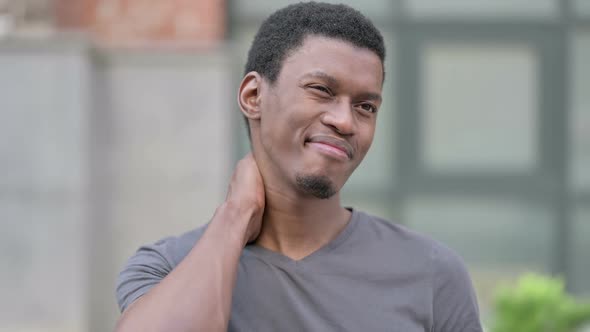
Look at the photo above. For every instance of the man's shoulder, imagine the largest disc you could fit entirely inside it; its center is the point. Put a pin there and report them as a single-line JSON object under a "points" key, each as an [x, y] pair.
{"points": [[175, 248], [400, 237]]}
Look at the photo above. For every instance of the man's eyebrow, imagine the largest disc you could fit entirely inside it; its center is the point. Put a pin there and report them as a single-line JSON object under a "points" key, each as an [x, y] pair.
{"points": [[331, 80], [371, 96]]}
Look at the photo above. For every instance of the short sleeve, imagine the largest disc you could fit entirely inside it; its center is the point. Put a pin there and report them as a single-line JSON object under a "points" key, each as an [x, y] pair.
{"points": [[455, 305], [152, 263], [145, 269]]}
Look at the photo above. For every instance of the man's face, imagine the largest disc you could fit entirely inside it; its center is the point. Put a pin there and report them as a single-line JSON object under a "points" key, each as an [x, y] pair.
{"points": [[318, 118]]}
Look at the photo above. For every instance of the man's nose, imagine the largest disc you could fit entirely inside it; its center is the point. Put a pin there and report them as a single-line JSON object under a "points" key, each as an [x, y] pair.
{"points": [[340, 118]]}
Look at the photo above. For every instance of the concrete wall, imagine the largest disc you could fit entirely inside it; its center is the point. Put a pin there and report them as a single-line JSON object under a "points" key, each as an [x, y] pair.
{"points": [[101, 151]]}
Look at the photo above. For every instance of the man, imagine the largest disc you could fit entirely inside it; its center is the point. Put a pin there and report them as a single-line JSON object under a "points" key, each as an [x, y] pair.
{"points": [[281, 253]]}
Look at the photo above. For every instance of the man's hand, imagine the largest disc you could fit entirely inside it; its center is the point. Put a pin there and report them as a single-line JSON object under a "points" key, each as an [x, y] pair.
{"points": [[246, 195], [203, 282]]}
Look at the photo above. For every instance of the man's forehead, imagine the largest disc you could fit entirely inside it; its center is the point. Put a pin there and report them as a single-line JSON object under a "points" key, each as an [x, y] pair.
{"points": [[313, 47], [331, 60]]}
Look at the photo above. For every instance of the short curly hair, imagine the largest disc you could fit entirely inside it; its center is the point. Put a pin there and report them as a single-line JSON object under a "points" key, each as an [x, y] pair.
{"points": [[284, 31]]}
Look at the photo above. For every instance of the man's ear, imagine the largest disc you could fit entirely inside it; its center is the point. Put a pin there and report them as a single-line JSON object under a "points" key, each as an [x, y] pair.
{"points": [[249, 95]]}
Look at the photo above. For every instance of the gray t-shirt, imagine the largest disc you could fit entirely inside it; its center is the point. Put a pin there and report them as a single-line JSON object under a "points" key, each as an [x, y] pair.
{"points": [[375, 276]]}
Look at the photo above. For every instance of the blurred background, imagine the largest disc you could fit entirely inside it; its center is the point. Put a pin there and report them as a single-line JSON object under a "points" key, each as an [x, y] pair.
{"points": [[119, 126]]}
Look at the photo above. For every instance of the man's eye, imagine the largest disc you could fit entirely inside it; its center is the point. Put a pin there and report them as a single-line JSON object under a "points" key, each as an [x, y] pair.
{"points": [[322, 89], [368, 107]]}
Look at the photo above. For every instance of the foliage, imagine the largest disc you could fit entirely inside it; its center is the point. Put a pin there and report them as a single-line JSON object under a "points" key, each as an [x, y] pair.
{"points": [[538, 304]]}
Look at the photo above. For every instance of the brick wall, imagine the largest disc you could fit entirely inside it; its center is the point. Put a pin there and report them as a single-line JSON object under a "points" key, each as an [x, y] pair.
{"points": [[146, 22]]}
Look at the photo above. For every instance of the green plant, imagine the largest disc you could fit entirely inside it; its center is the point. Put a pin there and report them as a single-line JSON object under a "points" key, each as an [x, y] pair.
{"points": [[538, 304]]}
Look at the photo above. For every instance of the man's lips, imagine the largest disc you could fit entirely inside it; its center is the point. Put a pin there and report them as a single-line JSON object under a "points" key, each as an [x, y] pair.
{"points": [[333, 142]]}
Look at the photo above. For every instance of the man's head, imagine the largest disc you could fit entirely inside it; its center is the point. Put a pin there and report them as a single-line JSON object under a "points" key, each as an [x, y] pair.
{"points": [[284, 31], [310, 93]]}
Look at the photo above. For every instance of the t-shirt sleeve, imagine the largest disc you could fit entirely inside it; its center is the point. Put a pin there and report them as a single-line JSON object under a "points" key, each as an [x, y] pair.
{"points": [[455, 304], [152, 263], [145, 269]]}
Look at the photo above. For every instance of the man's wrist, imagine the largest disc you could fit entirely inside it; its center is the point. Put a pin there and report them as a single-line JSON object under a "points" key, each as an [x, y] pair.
{"points": [[236, 218]]}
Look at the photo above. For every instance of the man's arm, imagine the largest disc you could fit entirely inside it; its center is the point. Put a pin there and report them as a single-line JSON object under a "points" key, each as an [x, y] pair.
{"points": [[196, 295]]}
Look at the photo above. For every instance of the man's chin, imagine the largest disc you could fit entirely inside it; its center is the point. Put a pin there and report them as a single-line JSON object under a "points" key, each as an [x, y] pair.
{"points": [[318, 186]]}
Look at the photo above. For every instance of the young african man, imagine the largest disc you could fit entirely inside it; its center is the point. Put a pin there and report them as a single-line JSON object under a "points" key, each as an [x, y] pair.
{"points": [[281, 253]]}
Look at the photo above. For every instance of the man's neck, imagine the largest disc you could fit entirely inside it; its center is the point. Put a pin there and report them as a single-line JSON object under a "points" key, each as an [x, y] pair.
{"points": [[297, 226]]}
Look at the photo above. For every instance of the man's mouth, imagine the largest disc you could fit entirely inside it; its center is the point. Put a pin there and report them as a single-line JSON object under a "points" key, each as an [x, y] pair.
{"points": [[333, 146]]}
